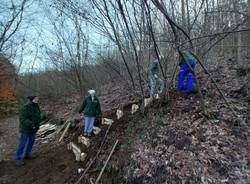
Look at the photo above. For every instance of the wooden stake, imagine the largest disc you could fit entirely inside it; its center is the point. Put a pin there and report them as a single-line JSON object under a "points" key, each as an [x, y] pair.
{"points": [[63, 134], [61, 127], [100, 175], [96, 156]]}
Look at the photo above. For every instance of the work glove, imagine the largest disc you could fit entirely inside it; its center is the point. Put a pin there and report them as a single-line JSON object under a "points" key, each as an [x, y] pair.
{"points": [[35, 129]]}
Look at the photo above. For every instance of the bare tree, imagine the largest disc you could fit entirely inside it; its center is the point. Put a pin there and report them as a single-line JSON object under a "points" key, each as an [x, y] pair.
{"points": [[9, 25]]}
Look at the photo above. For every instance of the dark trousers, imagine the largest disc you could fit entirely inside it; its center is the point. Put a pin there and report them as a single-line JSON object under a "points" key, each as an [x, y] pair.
{"points": [[26, 139]]}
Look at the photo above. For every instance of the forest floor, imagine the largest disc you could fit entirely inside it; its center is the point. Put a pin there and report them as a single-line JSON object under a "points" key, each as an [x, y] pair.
{"points": [[171, 143]]}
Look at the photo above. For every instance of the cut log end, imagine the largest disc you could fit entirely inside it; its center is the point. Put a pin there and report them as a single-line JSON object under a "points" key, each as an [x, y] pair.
{"points": [[96, 130], [135, 108], [106, 121], [84, 140], [119, 114]]}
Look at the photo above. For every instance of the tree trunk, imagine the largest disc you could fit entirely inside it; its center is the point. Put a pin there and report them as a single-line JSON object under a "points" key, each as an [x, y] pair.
{"points": [[188, 18], [247, 42], [183, 13], [237, 43]]}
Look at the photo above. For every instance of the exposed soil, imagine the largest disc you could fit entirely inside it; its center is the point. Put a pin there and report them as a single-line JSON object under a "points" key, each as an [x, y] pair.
{"points": [[171, 143], [8, 137], [54, 163]]}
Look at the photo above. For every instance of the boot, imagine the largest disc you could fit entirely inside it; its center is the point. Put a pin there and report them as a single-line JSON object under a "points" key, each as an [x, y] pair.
{"points": [[19, 163]]}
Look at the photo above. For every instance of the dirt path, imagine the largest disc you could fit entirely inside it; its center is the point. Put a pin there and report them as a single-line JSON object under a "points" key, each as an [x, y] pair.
{"points": [[8, 137], [54, 164]]}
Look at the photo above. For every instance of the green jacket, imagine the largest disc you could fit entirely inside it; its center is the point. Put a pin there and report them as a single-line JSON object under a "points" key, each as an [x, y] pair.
{"points": [[185, 56], [29, 118], [90, 108], [154, 67]]}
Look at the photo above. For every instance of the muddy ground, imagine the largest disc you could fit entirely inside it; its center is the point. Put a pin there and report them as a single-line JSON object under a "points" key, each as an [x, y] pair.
{"points": [[54, 163]]}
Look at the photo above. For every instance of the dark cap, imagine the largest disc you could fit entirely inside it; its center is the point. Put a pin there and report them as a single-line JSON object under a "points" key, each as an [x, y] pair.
{"points": [[31, 98]]}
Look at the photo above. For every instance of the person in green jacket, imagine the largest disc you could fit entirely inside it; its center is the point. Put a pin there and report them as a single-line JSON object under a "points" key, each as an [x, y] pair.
{"points": [[91, 108], [29, 119], [153, 76]]}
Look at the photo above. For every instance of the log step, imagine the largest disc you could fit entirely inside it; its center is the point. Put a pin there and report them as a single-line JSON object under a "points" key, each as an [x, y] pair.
{"points": [[96, 130], [106, 121], [84, 140], [134, 108], [119, 113], [80, 156]]}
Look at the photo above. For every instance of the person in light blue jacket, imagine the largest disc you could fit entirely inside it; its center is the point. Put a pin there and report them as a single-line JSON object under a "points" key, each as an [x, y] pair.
{"points": [[153, 76]]}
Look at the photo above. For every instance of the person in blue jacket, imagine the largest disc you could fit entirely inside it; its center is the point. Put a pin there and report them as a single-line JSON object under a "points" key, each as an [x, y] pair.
{"points": [[187, 64], [153, 75]]}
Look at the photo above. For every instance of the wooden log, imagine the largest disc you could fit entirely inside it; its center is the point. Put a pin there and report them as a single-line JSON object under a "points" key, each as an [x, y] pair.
{"points": [[47, 137], [134, 108], [96, 130], [96, 156], [80, 156], [103, 168], [47, 127], [119, 113], [44, 129], [84, 140], [64, 132], [106, 121], [69, 146], [61, 127], [147, 101]]}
